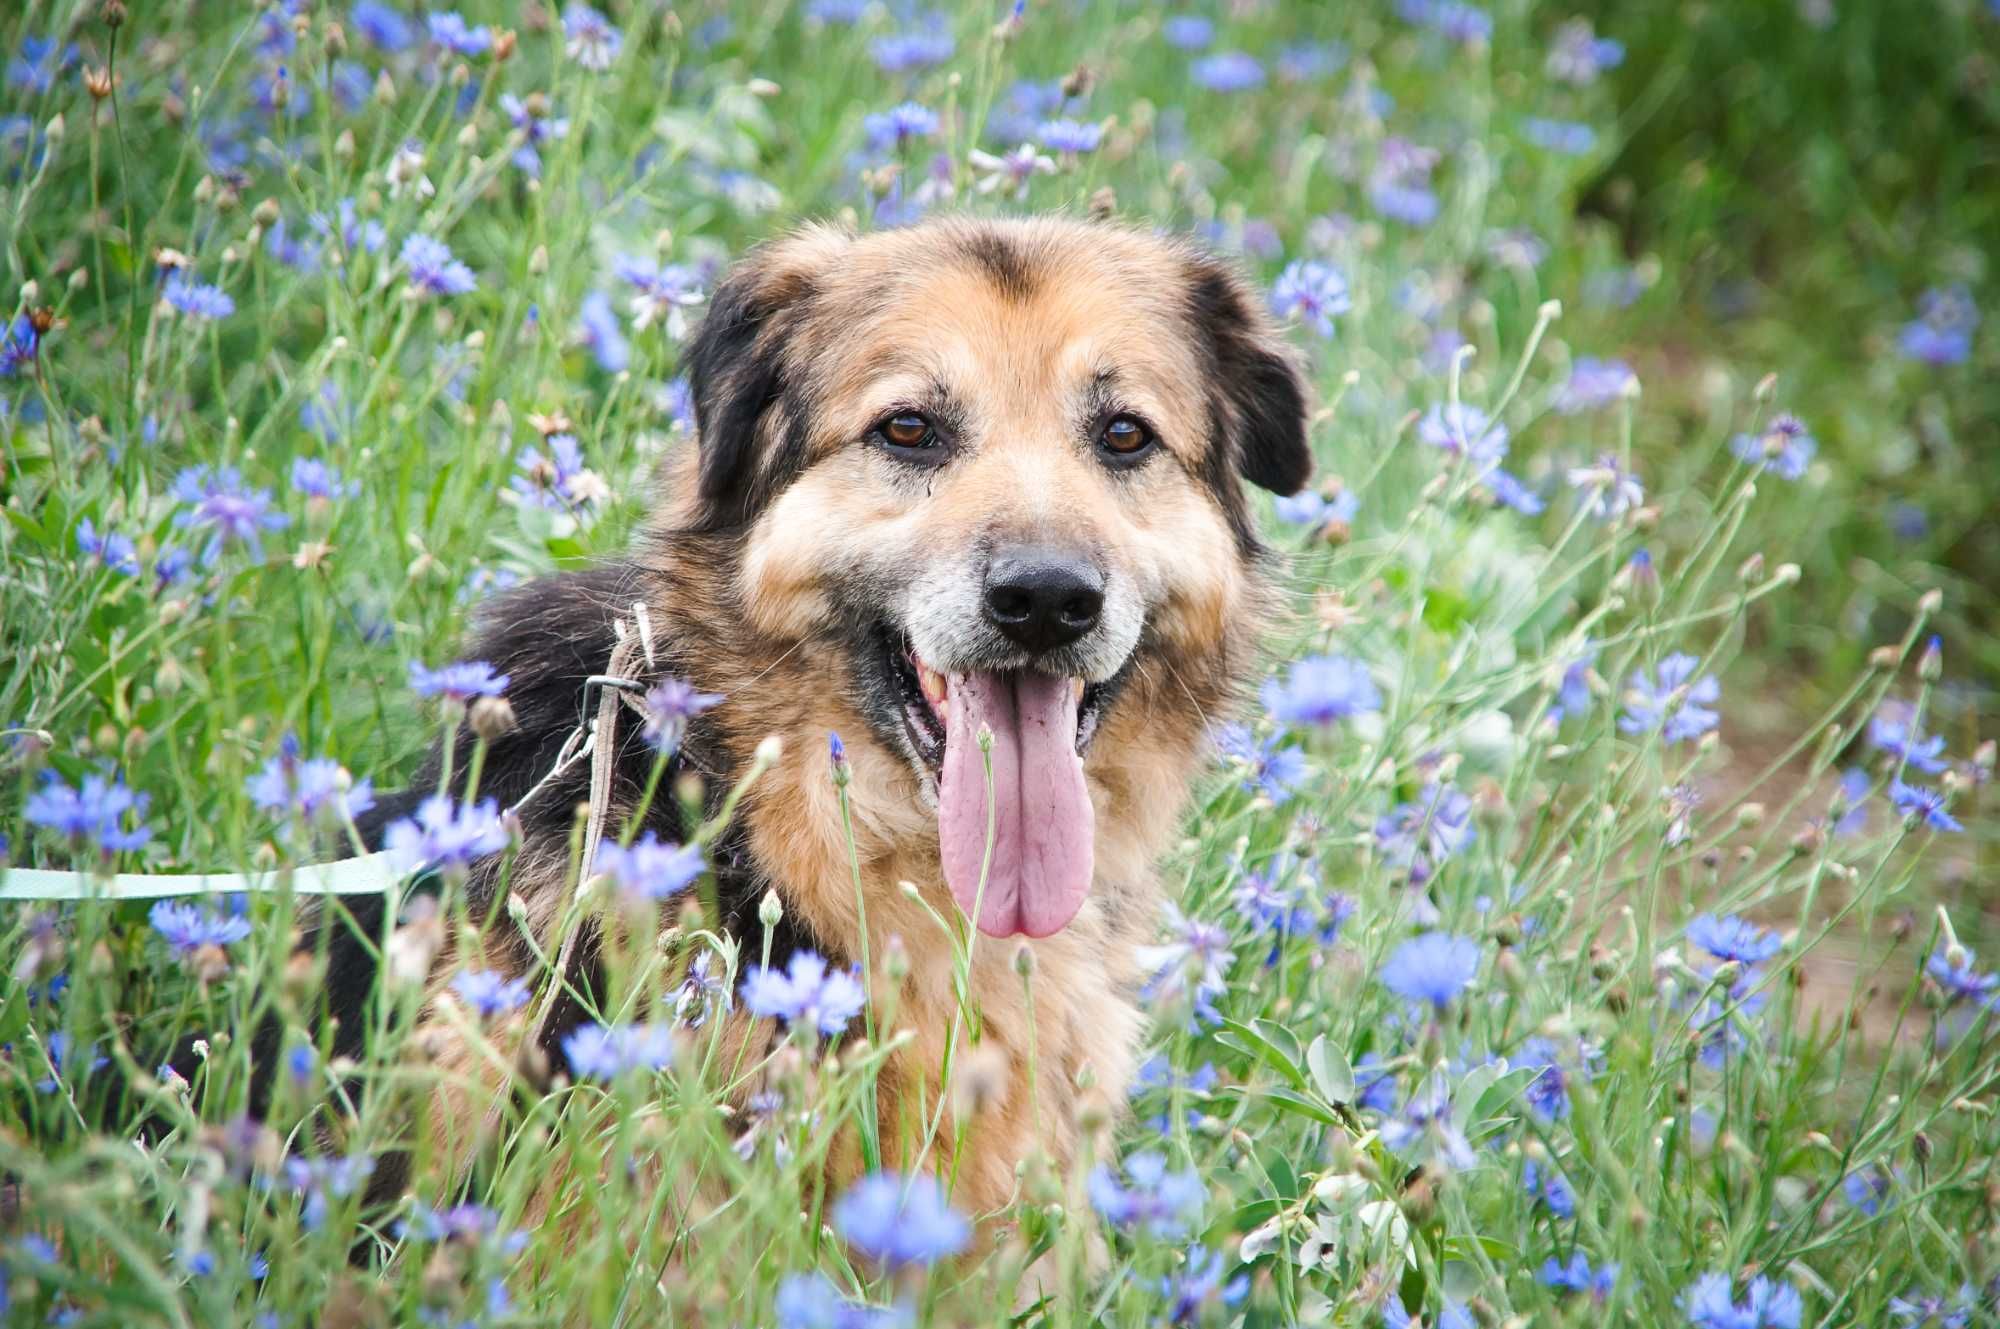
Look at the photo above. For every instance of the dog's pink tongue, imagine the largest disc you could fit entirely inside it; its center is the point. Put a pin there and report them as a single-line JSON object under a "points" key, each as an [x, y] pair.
{"points": [[1042, 826]]}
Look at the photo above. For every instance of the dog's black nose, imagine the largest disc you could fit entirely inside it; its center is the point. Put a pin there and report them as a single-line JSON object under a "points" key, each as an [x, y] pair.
{"points": [[1043, 598]]}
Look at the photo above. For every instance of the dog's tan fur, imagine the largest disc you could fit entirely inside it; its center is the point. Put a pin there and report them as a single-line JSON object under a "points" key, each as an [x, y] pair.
{"points": [[1009, 318]]}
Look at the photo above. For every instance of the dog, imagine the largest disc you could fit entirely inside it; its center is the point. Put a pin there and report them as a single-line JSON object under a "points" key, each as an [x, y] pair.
{"points": [[967, 494]]}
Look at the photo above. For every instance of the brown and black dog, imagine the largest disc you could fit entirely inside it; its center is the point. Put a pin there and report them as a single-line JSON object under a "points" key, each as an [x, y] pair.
{"points": [[967, 477]]}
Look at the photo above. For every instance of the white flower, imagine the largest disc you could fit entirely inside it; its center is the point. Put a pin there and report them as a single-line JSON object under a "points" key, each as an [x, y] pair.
{"points": [[1012, 170]]}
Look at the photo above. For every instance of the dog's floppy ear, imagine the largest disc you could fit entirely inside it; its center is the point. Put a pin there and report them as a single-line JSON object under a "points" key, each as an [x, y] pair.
{"points": [[739, 369], [1257, 388]]}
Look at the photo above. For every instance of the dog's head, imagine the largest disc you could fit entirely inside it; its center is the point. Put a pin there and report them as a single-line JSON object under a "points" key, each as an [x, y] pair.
{"points": [[996, 466]]}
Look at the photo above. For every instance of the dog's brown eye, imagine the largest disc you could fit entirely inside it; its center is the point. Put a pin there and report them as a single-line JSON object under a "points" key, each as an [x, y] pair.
{"points": [[1125, 436], [906, 431]]}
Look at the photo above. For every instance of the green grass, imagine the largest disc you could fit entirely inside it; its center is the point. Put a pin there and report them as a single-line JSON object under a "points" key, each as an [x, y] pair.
{"points": [[1714, 1118]]}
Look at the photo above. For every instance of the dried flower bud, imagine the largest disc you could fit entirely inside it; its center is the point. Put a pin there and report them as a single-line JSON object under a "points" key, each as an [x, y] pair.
{"points": [[1104, 204], [1930, 665], [771, 909], [491, 718], [504, 43], [1751, 570], [112, 13], [97, 82], [1930, 602]]}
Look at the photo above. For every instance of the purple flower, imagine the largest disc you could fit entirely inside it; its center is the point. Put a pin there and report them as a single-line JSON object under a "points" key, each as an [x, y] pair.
{"points": [[1954, 971], [1732, 937], [650, 868], [316, 792], [356, 236], [1194, 959], [1268, 769], [1197, 1285], [1942, 331], [810, 1301], [1070, 136], [458, 682], [1321, 689], [432, 269], [490, 992], [896, 127], [41, 59], [1578, 55], [1868, 1188], [449, 30], [660, 294], [187, 929], [1227, 71], [323, 1180], [900, 1221], [705, 988], [1463, 430], [95, 812], [1189, 32], [590, 40], [1914, 1311], [218, 502], [1785, 448], [1608, 490], [807, 995], [113, 550], [1011, 171], [1571, 138], [669, 705], [382, 26], [1548, 1093], [445, 835], [906, 52], [1435, 968], [1577, 1277], [285, 245], [557, 480], [1766, 1304], [313, 478], [19, 343], [599, 1052], [1399, 185], [1893, 730], [603, 334], [1680, 709], [200, 299], [1313, 291], [1149, 1195], [536, 126], [1928, 805], [1545, 1186], [1418, 837], [1425, 1128], [1593, 384], [1510, 492], [1310, 507]]}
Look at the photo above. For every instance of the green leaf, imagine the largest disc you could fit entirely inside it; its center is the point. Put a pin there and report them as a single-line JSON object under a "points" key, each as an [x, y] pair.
{"points": [[1331, 1074], [1255, 1041]]}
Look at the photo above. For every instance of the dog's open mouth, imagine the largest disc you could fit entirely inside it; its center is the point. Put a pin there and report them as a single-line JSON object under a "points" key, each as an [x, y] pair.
{"points": [[1019, 861]]}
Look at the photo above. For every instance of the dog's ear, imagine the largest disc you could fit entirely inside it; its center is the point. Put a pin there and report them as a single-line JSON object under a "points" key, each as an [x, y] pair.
{"points": [[1256, 384], [738, 368]]}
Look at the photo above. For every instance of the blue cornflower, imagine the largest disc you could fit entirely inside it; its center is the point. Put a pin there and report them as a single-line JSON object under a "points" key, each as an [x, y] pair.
{"points": [[906, 52], [113, 550], [843, 12], [1766, 1304], [490, 992], [1545, 1186], [1310, 507], [1198, 1285], [1893, 729], [313, 478], [1374, 1088], [1548, 1093], [1417, 837], [317, 791], [705, 989], [1678, 707], [899, 1221], [1854, 787], [603, 334], [1190, 32], [323, 1180], [19, 344], [216, 500], [1955, 973], [1732, 937], [187, 928], [811, 1301], [1510, 492], [1593, 384], [1463, 430], [1425, 1127], [301, 1063], [285, 245], [599, 1052], [1227, 71], [95, 812], [57, 1047], [1868, 1188], [1460, 22], [356, 235], [1157, 1075], [536, 125], [1314, 291], [1435, 967], [1578, 1277], [1266, 768], [458, 682], [806, 995], [556, 480], [34, 70], [1399, 186], [450, 31], [669, 705], [1194, 959], [201, 299], [590, 39], [1321, 689], [1025, 104], [1915, 1311], [899, 125], [1164, 1202], [432, 268], [461, 1222], [1928, 805], [650, 868], [1608, 490], [170, 565], [445, 835], [382, 26], [1070, 136], [1569, 137], [1578, 55], [1335, 909], [1942, 332], [1785, 448], [660, 294]]}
